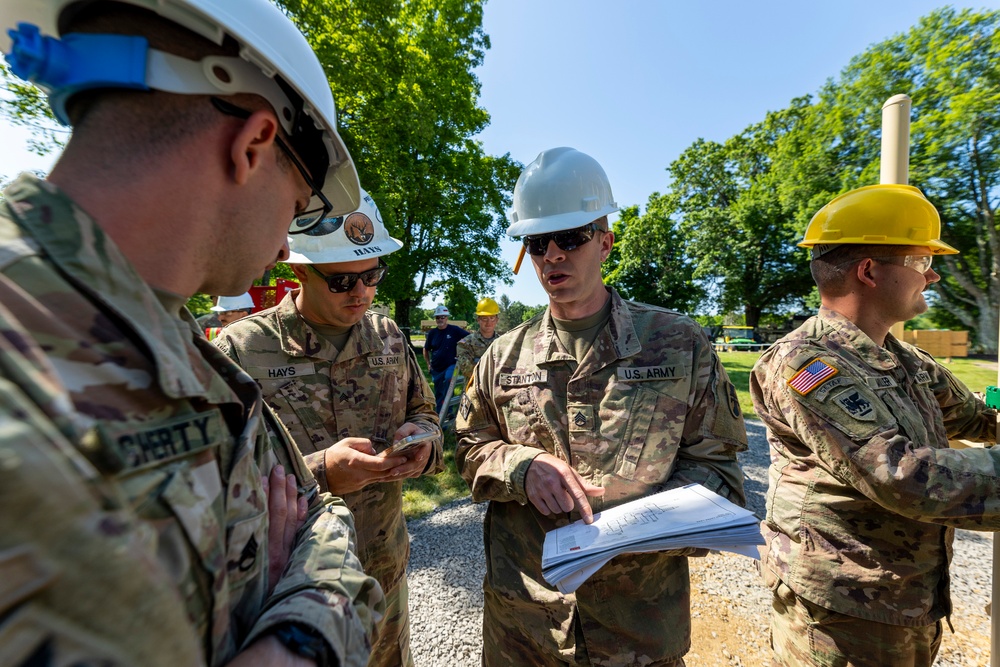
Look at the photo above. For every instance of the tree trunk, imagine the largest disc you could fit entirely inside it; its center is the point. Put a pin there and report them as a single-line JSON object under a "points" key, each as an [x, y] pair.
{"points": [[752, 314], [403, 307]]}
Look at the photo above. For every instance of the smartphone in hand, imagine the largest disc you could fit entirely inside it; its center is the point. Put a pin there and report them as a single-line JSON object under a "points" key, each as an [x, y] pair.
{"points": [[410, 441]]}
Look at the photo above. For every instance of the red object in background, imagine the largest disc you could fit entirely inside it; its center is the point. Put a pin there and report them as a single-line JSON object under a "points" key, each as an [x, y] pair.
{"points": [[265, 296]]}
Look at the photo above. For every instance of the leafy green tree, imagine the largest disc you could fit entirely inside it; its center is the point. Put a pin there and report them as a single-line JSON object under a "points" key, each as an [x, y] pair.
{"points": [[461, 302], [949, 64], [403, 78], [24, 105], [649, 261], [513, 313], [740, 231]]}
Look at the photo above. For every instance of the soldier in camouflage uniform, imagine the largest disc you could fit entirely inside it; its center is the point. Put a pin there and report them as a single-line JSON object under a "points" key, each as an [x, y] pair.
{"points": [[471, 348], [177, 537], [346, 383], [594, 402], [864, 492]]}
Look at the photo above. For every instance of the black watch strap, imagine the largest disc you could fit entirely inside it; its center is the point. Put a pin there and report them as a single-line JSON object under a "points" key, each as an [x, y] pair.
{"points": [[304, 641]]}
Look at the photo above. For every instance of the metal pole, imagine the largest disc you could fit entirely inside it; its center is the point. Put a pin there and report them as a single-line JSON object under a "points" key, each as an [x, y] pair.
{"points": [[447, 399], [896, 140], [995, 592]]}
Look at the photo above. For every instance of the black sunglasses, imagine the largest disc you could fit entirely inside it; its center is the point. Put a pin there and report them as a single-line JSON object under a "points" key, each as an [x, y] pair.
{"points": [[568, 240], [306, 220], [345, 282]]}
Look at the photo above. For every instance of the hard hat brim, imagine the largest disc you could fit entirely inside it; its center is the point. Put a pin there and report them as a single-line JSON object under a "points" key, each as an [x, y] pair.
{"points": [[557, 223], [341, 254]]}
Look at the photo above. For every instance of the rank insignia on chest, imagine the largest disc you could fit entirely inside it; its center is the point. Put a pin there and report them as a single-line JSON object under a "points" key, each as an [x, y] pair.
{"points": [[581, 417], [856, 405], [813, 375]]}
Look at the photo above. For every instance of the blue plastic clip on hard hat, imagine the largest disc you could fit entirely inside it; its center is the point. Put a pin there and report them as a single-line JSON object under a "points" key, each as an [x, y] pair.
{"points": [[77, 62]]}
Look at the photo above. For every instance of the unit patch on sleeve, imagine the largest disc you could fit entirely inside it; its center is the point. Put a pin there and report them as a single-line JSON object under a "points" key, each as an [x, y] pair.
{"points": [[812, 376], [856, 405]]}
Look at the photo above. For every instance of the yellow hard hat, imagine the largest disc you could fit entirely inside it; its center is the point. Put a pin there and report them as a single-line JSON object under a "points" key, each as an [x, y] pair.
{"points": [[886, 214], [487, 307]]}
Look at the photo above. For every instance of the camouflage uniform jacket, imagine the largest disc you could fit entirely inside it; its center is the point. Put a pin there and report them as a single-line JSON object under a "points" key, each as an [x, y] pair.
{"points": [[367, 390], [160, 414], [470, 351], [864, 490], [648, 408], [57, 515]]}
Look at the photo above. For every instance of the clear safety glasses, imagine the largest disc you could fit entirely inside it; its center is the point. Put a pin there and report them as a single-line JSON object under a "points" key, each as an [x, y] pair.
{"points": [[345, 282], [304, 220], [570, 239], [919, 263]]}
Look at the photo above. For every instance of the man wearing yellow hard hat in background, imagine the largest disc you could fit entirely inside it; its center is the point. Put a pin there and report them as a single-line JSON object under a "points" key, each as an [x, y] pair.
{"points": [[864, 492], [472, 347]]}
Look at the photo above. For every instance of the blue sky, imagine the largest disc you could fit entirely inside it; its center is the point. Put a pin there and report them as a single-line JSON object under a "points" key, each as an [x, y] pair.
{"points": [[633, 83]]}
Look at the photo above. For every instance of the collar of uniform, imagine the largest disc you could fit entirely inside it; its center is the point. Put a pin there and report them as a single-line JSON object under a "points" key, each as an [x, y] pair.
{"points": [[91, 260], [298, 339], [620, 329], [846, 333]]}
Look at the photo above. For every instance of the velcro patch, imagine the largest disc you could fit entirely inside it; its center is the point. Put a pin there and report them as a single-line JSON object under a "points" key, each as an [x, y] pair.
{"points": [[812, 376], [523, 379], [823, 392], [647, 373], [881, 382], [922, 377], [856, 405], [581, 417], [384, 360], [170, 439], [279, 372]]}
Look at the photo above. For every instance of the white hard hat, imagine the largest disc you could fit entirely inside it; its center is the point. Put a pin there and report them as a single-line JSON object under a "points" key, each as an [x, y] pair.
{"points": [[275, 62], [562, 189], [227, 303], [441, 310], [345, 238]]}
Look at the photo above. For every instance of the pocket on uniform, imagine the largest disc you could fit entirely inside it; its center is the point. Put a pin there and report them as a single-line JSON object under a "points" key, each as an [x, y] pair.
{"points": [[649, 446], [293, 404], [245, 540]]}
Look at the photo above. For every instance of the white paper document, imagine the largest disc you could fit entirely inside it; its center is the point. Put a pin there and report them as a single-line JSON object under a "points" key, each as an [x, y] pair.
{"points": [[689, 516]]}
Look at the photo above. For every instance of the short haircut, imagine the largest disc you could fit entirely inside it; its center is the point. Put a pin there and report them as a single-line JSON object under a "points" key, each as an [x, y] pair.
{"points": [[830, 271]]}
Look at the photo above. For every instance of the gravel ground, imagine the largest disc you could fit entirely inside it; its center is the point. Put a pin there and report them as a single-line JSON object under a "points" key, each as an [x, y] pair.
{"points": [[730, 605]]}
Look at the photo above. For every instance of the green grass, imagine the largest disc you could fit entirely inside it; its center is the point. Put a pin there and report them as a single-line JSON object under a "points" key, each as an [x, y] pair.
{"points": [[738, 365], [423, 494]]}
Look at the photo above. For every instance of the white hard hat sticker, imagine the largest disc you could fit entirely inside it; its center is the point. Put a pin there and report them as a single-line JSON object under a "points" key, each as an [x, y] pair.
{"points": [[359, 229]]}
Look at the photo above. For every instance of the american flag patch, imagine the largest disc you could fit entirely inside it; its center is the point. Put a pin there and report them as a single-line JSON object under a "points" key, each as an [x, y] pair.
{"points": [[812, 376]]}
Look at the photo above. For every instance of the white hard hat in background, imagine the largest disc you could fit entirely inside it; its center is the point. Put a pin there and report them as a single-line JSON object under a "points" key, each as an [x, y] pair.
{"points": [[441, 310], [345, 238], [275, 62], [227, 303], [561, 189]]}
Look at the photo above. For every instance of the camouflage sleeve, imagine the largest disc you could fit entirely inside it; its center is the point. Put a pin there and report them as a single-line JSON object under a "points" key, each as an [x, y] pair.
{"points": [[965, 415], [713, 430], [79, 579], [854, 435], [493, 468], [465, 359], [324, 585], [420, 410]]}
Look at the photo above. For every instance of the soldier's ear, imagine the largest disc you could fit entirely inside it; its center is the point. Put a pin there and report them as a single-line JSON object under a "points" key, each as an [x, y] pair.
{"points": [[865, 272]]}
